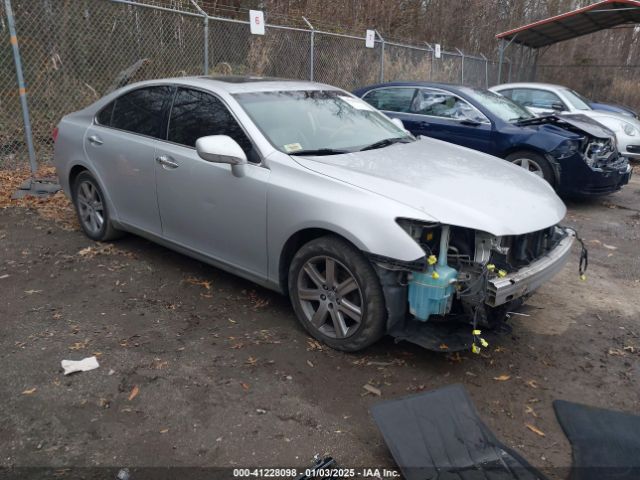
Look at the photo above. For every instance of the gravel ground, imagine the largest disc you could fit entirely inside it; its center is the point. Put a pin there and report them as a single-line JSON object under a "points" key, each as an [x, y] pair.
{"points": [[199, 368]]}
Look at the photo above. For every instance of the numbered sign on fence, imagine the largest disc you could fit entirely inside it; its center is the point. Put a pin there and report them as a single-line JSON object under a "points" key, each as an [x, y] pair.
{"points": [[370, 40], [438, 50], [256, 18]]}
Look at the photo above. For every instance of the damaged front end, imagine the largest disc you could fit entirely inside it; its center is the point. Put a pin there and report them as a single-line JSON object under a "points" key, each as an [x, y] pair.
{"points": [[466, 277]]}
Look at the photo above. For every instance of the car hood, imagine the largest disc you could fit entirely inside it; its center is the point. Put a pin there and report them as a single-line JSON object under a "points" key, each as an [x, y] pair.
{"points": [[609, 119], [451, 184], [583, 123]]}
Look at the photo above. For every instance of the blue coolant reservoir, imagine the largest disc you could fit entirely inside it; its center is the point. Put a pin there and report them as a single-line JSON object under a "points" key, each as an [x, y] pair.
{"points": [[431, 296]]}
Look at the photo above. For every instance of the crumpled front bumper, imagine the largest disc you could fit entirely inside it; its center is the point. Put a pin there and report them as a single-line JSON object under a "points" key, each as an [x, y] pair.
{"points": [[526, 280]]}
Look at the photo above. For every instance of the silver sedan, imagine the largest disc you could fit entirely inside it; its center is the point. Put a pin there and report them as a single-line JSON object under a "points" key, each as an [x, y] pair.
{"points": [[307, 190]]}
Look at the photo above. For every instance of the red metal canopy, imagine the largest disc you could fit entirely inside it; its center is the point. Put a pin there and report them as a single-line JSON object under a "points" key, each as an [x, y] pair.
{"points": [[599, 16]]}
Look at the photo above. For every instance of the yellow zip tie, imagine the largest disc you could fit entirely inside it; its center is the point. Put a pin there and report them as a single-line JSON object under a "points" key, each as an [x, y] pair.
{"points": [[432, 260]]}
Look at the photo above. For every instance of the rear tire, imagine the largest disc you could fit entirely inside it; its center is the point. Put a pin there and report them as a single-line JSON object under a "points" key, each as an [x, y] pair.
{"points": [[336, 294], [534, 163], [92, 210]]}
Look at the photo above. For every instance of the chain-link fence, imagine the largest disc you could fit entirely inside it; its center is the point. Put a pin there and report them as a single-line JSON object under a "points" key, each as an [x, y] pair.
{"points": [[74, 50]]}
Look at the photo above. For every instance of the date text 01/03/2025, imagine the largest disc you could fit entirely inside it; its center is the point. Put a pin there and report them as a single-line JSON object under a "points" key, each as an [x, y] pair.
{"points": [[315, 473]]}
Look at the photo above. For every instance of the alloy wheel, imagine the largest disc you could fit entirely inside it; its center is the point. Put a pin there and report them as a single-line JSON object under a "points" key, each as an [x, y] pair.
{"points": [[330, 297], [530, 166], [90, 207]]}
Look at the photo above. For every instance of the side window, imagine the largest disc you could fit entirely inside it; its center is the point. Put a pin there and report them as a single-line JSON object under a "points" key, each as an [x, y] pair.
{"points": [[507, 93], [444, 105], [534, 98], [544, 99], [104, 116], [391, 99], [197, 114], [142, 111]]}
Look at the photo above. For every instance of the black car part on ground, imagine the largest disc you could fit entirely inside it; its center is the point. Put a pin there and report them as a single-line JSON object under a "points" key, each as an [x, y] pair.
{"points": [[322, 469], [439, 434], [605, 443]]}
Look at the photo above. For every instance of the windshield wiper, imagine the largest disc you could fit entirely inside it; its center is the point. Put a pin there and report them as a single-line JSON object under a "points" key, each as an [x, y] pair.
{"points": [[319, 152], [386, 142]]}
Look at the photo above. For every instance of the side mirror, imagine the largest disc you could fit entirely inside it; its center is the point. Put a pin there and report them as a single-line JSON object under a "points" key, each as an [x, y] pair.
{"points": [[398, 123], [557, 106], [220, 149]]}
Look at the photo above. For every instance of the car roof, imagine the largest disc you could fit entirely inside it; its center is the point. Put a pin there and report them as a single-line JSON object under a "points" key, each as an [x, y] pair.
{"points": [[241, 84], [452, 87], [546, 86]]}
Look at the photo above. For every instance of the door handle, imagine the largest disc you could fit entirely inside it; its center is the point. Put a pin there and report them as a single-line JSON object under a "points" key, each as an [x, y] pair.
{"points": [[95, 140], [167, 162]]}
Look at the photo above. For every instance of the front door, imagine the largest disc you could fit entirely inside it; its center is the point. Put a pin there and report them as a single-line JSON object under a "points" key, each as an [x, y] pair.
{"points": [[447, 117], [203, 206]]}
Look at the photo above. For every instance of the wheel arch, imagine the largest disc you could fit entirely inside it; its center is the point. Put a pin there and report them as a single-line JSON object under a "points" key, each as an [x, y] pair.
{"points": [[294, 243]]}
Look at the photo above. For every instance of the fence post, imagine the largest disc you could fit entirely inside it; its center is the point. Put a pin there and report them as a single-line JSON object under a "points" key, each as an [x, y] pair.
{"points": [[486, 70], [510, 65], [311, 53], [206, 36], [21, 89], [462, 55], [432, 59], [381, 56]]}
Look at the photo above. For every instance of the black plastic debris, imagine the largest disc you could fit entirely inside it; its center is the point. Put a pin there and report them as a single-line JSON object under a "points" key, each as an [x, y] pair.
{"points": [[320, 467], [605, 443], [439, 435]]}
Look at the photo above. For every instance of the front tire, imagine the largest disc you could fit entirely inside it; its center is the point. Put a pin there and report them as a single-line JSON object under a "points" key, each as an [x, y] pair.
{"points": [[92, 210], [336, 294], [534, 163]]}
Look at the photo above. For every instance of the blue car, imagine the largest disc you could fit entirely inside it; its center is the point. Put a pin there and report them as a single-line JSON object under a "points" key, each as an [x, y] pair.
{"points": [[576, 155]]}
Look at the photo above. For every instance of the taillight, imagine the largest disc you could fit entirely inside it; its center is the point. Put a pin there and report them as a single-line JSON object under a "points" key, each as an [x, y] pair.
{"points": [[54, 134]]}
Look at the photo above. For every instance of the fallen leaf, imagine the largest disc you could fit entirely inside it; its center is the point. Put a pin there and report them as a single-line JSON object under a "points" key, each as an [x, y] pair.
{"points": [[530, 410], [31, 292], [372, 389], [502, 378], [245, 386], [251, 362], [310, 363], [532, 384], [535, 430], [444, 346], [29, 391], [609, 247], [164, 430], [196, 281], [134, 392]]}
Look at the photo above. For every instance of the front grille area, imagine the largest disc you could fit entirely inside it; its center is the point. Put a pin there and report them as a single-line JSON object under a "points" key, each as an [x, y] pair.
{"points": [[520, 250]]}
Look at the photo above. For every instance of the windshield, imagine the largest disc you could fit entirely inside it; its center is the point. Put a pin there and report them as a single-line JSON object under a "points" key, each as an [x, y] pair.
{"points": [[505, 109], [576, 100], [327, 121]]}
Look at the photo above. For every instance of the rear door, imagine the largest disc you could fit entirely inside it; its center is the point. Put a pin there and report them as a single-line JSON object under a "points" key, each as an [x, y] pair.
{"points": [[121, 143], [446, 116], [203, 206]]}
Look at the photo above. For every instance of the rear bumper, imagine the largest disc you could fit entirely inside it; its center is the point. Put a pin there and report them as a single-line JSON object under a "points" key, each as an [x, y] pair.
{"points": [[529, 278]]}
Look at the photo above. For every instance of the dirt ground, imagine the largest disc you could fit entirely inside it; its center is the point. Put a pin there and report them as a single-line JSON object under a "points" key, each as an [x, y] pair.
{"points": [[199, 368]]}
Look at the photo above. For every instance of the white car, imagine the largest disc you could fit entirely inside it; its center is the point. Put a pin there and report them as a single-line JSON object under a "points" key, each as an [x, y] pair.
{"points": [[545, 98]]}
